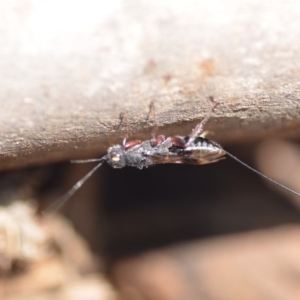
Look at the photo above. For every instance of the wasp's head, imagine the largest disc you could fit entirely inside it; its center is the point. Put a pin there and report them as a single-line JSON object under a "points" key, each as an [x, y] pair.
{"points": [[116, 157]]}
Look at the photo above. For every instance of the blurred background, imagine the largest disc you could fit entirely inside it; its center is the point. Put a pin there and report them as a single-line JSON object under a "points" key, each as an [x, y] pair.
{"points": [[168, 232]]}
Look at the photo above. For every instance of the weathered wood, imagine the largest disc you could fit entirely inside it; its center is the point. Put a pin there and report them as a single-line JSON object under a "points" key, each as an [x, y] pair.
{"points": [[68, 70]]}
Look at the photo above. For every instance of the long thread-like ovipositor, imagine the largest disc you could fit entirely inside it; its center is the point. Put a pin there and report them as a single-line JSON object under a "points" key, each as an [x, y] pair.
{"points": [[262, 175]]}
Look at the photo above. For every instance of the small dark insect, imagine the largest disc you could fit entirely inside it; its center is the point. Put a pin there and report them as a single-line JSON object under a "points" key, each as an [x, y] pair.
{"points": [[192, 149]]}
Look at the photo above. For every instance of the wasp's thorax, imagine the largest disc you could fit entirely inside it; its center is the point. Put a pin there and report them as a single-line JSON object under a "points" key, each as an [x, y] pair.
{"points": [[138, 156]]}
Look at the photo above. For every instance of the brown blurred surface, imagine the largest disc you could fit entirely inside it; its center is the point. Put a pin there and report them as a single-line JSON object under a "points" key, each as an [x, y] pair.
{"points": [[281, 161], [68, 70], [262, 264]]}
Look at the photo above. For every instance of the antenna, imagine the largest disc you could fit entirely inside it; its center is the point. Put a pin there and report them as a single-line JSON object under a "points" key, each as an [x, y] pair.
{"points": [[61, 201], [262, 175]]}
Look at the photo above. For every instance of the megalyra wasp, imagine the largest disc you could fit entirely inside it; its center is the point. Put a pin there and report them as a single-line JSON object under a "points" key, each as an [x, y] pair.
{"points": [[192, 149]]}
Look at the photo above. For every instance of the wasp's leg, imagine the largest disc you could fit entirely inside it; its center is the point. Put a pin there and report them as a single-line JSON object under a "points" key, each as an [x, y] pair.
{"points": [[127, 144], [200, 127], [156, 140], [130, 144], [151, 112], [123, 119], [178, 141]]}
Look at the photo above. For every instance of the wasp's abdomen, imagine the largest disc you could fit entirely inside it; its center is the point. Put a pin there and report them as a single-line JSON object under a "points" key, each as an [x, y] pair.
{"points": [[200, 151]]}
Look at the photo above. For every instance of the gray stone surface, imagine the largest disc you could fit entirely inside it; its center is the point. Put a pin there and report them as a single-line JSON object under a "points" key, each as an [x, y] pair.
{"points": [[69, 68]]}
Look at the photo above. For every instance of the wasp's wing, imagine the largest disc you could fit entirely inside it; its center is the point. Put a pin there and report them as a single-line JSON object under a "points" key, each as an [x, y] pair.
{"points": [[196, 157], [202, 151]]}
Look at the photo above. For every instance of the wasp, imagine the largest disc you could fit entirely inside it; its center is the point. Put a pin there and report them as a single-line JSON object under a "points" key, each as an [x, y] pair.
{"points": [[192, 149]]}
